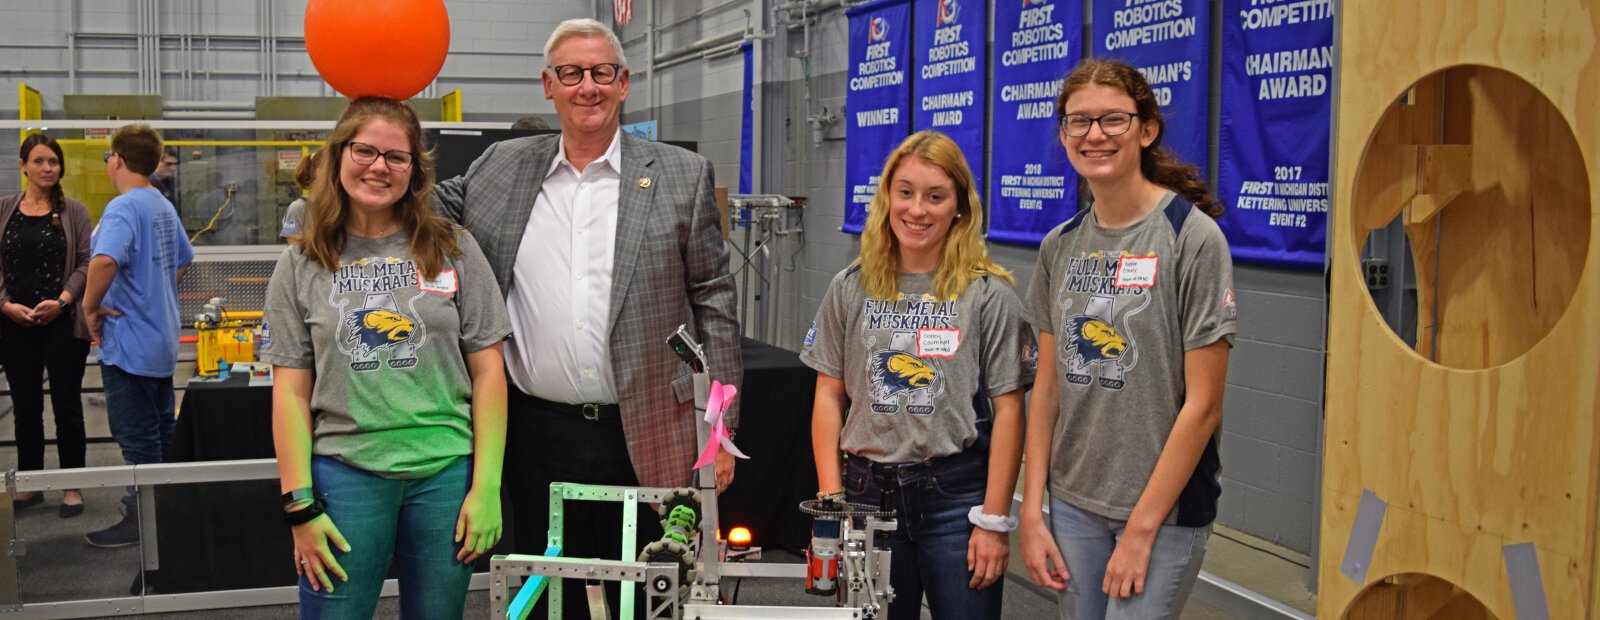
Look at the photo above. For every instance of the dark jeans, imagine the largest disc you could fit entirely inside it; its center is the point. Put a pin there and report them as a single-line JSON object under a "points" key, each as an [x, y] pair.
{"points": [[552, 446], [27, 353], [139, 410], [931, 500]]}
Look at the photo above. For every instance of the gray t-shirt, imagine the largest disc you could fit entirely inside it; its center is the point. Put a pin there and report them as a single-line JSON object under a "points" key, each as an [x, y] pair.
{"points": [[914, 366], [294, 219], [1124, 305], [388, 348]]}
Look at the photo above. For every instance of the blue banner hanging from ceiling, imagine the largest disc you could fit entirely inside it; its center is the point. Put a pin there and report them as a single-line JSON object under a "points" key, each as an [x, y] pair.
{"points": [[1032, 187], [877, 97], [950, 76], [1272, 170], [1169, 41]]}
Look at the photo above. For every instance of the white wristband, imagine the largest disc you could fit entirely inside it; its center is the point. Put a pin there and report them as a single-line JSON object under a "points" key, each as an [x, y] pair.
{"points": [[993, 523]]}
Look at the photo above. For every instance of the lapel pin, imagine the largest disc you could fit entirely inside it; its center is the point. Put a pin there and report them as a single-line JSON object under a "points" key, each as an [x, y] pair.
{"points": [[644, 182]]}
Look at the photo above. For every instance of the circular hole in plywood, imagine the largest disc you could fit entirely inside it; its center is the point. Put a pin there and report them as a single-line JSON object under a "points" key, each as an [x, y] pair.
{"points": [[1472, 216], [1415, 595]]}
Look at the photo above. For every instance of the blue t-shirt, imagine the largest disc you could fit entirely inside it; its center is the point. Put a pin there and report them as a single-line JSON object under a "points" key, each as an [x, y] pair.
{"points": [[140, 230]]}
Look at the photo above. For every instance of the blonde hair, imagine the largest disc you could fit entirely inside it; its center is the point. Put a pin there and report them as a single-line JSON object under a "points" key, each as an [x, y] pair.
{"points": [[965, 257], [432, 237]]}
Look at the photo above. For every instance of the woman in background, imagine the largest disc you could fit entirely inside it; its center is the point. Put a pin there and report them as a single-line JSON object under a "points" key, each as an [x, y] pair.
{"points": [[1133, 301], [922, 340], [44, 255], [389, 393]]}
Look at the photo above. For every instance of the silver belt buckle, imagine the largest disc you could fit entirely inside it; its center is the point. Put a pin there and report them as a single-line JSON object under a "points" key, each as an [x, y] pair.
{"points": [[591, 412]]}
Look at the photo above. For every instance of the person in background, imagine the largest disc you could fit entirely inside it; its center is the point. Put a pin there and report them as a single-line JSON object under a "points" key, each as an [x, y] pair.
{"points": [[1134, 304], [921, 340], [530, 122], [165, 178], [130, 305], [389, 392], [44, 257], [610, 246], [305, 173]]}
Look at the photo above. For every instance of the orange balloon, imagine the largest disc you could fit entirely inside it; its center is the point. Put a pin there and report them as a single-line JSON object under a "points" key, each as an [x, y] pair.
{"points": [[388, 48]]}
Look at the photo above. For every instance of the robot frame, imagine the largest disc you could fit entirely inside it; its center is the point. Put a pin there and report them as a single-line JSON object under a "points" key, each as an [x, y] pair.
{"points": [[682, 572]]}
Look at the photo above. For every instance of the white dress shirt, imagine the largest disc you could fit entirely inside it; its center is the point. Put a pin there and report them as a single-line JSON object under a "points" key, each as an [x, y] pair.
{"points": [[560, 298]]}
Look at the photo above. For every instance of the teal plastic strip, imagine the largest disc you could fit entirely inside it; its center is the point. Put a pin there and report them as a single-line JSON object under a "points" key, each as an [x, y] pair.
{"points": [[530, 592]]}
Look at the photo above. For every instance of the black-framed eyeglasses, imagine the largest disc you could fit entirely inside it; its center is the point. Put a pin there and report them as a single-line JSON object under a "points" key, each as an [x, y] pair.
{"points": [[1111, 123], [107, 157], [364, 154], [602, 74]]}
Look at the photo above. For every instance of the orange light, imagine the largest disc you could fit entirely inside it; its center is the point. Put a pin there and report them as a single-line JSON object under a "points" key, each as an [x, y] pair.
{"points": [[739, 538]]}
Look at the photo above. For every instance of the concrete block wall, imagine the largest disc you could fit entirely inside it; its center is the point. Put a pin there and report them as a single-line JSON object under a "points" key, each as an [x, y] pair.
{"points": [[496, 51]]}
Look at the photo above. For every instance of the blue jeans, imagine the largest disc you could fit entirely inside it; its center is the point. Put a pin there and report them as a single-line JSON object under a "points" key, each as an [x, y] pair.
{"points": [[929, 548], [383, 520], [139, 411], [1087, 541]]}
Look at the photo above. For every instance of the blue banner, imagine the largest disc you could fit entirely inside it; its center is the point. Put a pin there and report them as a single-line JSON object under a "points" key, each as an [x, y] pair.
{"points": [[1169, 41], [1272, 170], [877, 97], [747, 120], [950, 76], [1032, 186]]}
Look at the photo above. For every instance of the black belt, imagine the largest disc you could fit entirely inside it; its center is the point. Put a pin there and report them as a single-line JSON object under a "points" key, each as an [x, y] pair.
{"points": [[593, 412]]}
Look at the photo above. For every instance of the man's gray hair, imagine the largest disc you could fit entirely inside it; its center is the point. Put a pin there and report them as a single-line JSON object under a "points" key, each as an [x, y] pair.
{"points": [[584, 27]]}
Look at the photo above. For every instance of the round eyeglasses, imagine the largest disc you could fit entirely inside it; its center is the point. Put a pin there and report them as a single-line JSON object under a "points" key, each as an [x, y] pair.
{"points": [[602, 74], [364, 154], [1111, 123]]}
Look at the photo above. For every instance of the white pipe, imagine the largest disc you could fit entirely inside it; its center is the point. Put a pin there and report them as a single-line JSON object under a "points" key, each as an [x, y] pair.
{"points": [[208, 105], [230, 115], [72, 46], [701, 45]]}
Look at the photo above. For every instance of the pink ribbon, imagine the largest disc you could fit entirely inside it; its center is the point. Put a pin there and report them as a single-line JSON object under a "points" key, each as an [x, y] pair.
{"points": [[717, 404]]}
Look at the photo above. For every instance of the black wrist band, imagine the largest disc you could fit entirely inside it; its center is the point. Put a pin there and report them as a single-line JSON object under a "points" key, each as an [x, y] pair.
{"points": [[306, 514]]}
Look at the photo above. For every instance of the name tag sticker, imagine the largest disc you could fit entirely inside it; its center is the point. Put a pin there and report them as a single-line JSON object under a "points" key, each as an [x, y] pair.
{"points": [[444, 283], [938, 343], [1136, 271]]}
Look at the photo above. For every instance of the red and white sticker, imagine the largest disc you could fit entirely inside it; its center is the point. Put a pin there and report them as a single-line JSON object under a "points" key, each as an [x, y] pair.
{"points": [[445, 283], [1137, 271], [934, 342]]}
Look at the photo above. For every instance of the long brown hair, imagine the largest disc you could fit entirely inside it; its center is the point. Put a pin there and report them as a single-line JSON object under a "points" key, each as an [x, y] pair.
{"points": [[965, 257], [1158, 163], [432, 237], [58, 197]]}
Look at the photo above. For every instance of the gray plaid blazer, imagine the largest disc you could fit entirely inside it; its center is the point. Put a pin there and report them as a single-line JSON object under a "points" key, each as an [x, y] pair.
{"points": [[670, 269]]}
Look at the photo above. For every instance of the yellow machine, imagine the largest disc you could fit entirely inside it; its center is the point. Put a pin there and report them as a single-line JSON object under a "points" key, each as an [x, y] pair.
{"points": [[228, 336]]}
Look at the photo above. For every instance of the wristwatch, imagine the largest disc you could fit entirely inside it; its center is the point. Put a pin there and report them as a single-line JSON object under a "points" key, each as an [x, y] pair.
{"points": [[64, 304]]}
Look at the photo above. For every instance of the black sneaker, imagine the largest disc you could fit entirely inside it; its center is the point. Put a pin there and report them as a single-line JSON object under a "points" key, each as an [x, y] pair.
{"points": [[124, 533]]}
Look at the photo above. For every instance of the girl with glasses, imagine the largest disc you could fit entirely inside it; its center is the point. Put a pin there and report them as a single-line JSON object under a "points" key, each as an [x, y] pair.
{"points": [[389, 395], [1133, 301], [44, 258]]}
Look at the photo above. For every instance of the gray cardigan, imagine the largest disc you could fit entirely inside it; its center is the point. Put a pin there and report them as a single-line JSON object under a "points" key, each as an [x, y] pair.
{"points": [[75, 223]]}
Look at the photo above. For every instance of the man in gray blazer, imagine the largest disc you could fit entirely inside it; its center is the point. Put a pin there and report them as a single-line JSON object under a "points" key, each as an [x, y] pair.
{"points": [[603, 244]]}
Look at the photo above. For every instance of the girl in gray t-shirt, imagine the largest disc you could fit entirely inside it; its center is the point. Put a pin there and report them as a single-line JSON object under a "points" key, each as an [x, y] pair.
{"points": [[923, 341], [389, 394], [1133, 301]]}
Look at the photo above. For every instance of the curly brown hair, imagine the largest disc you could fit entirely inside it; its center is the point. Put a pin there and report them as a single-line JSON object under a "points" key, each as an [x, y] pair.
{"points": [[1158, 163]]}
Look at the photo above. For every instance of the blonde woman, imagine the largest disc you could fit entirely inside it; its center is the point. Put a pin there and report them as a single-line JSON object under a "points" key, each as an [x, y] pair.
{"points": [[922, 358]]}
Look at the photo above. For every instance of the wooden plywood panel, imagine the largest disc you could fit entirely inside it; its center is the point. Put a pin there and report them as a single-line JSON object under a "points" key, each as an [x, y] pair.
{"points": [[1471, 460]]}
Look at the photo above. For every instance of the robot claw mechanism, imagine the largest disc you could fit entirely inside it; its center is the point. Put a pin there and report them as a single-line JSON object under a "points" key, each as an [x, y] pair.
{"points": [[682, 572]]}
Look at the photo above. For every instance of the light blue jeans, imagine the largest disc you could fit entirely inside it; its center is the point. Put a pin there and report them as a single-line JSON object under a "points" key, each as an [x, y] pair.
{"points": [[412, 521], [1087, 540]]}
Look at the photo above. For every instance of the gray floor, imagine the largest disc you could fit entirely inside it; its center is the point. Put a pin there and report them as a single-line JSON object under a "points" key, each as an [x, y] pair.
{"points": [[59, 565]]}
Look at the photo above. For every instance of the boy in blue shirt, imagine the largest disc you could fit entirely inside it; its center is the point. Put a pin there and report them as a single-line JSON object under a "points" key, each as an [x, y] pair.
{"points": [[138, 253]]}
